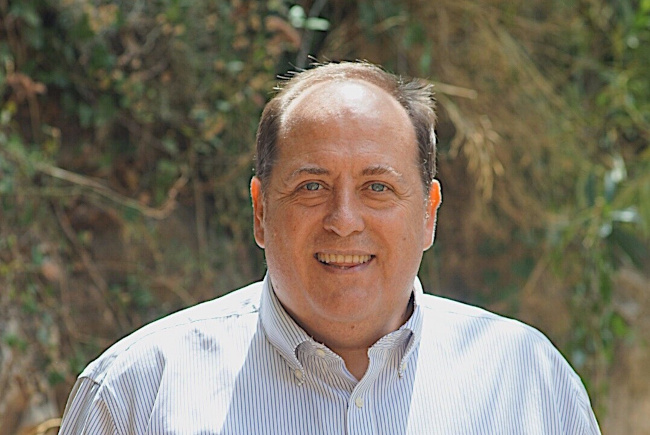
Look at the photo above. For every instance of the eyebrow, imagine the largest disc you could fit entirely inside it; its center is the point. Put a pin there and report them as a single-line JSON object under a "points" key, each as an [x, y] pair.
{"points": [[382, 170], [369, 171], [308, 170]]}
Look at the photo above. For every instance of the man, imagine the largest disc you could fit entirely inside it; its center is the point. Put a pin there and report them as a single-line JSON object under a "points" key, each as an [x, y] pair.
{"points": [[339, 337]]}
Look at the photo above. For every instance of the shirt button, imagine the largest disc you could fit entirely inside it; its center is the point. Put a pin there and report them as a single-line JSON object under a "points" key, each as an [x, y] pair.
{"points": [[320, 352], [359, 402], [298, 374]]}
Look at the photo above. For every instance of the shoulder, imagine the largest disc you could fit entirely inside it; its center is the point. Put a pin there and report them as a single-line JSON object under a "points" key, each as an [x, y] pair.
{"points": [[202, 345], [475, 337], [504, 363], [474, 320], [234, 312], [492, 339]]}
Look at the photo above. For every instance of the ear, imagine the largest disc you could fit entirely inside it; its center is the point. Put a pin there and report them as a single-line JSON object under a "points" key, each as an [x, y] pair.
{"points": [[434, 201], [257, 198]]}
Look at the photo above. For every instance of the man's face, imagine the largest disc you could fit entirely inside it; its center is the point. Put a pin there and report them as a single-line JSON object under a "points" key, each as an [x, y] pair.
{"points": [[344, 218]]}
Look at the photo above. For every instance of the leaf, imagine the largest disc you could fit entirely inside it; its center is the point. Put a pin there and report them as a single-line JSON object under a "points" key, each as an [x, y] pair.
{"points": [[297, 16], [314, 23], [629, 215], [25, 11], [631, 245], [619, 326]]}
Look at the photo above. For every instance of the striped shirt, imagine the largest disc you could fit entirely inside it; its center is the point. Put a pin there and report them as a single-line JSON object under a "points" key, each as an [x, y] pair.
{"points": [[240, 365]]}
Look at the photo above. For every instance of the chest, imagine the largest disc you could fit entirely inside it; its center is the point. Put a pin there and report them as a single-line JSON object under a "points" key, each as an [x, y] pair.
{"points": [[260, 393]]}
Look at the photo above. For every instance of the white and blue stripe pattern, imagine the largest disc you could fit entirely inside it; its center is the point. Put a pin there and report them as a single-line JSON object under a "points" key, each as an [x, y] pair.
{"points": [[241, 365]]}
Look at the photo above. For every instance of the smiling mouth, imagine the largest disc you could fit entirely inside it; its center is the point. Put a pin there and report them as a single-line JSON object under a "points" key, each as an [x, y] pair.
{"points": [[341, 260]]}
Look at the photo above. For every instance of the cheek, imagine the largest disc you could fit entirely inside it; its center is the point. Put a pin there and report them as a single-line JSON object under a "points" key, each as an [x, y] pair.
{"points": [[407, 233], [293, 219], [287, 228], [401, 224]]}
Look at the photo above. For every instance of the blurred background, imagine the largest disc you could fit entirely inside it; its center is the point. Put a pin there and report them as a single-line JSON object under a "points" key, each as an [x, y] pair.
{"points": [[127, 145]]}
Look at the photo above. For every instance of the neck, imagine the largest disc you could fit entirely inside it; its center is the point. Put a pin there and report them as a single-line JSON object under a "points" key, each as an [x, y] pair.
{"points": [[356, 360], [352, 341]]}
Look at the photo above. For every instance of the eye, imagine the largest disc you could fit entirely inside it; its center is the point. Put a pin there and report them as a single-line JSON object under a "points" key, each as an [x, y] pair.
{"points": [[378, 187], [312, 186]]}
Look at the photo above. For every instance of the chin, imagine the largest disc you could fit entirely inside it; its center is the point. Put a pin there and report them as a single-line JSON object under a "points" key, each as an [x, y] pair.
{"points": [[346, 306]]}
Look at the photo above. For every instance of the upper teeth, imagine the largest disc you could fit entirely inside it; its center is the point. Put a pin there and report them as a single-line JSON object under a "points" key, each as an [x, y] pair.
{"points": [[346, 259]]}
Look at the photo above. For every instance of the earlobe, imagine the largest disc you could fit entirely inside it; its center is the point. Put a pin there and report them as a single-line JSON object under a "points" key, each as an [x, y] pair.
{"points": [[433, 203], [257, 198]]}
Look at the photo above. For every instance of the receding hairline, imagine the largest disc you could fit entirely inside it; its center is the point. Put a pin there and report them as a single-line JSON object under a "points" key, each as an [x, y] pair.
{"points": [[316, 90], [365, 72], [414, 95]]}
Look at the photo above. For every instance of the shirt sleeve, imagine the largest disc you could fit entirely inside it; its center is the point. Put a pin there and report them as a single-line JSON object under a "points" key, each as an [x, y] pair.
{"points": [[86, 412], [590, 423]]}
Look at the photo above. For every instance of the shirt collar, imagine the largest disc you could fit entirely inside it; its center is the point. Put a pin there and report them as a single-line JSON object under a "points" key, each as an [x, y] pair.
{"points": [[414, 324], [281, 330], [285, 335]]}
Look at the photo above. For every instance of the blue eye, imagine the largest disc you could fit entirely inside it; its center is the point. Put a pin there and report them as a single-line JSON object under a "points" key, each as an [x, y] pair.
{"points": [[378, 187], [312, 186]]}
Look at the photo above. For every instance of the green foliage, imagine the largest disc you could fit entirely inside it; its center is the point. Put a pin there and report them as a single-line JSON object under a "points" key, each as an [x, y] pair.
{"points": [[601, 235], [299, 19], [123, 129], [604, 224]]}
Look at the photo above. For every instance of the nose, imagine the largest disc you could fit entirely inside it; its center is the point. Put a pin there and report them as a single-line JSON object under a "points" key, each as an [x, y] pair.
{"points": [[345, 214]]}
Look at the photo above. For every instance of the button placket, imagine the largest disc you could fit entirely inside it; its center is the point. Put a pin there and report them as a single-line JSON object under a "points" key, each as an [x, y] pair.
{"points": [[402, 369], [360, 413]]}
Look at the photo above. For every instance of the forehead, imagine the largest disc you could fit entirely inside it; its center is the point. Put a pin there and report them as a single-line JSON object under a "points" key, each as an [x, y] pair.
{"points": [[346, 124], [335, 100]]}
